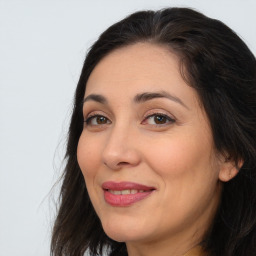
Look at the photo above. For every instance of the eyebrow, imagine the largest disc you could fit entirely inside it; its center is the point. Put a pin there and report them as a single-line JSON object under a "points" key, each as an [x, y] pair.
{"points": [[95, 97], [142, 97], [139, 98]]}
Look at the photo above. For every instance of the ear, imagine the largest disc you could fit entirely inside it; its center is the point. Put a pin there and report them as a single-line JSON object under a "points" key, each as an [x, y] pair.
{"points": [[229, 169]]}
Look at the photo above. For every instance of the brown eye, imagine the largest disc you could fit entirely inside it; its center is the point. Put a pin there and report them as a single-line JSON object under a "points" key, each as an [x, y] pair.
{"points": [[159, 119], [101, 120], [97, 120]]}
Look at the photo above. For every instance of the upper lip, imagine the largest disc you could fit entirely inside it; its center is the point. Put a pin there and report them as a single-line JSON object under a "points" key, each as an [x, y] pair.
{"points": [[124, 185]]}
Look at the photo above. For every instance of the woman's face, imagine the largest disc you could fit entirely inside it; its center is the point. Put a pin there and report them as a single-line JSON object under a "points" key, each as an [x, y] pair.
{"points": [[146, 150]]}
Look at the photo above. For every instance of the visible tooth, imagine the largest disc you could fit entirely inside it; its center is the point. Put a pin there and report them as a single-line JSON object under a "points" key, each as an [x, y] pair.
{"points": [[126, 192], [115, 192], [134, 191]]}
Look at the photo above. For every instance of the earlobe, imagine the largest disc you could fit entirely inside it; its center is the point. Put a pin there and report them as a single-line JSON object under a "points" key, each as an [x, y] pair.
{"points": [[229, 169]]}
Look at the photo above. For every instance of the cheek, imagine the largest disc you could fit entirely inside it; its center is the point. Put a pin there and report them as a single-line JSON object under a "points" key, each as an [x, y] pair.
{"points": [[176, 155], [89, 160], [187, 174], [184, 164], [88, 156]]}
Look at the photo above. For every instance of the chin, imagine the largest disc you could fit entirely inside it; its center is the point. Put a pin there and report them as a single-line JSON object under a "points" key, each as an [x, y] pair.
{"points": [[123, 231]]}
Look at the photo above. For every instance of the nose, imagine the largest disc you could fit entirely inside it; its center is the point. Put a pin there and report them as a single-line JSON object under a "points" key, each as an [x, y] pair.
{"points": [[121, 149]]}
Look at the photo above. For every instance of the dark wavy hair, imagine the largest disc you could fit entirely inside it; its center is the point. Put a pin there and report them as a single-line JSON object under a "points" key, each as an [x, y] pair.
{"points": [[221, 68]]}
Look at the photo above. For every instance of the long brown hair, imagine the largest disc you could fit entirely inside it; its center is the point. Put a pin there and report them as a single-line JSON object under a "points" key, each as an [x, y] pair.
{"points": [[217, 63]]}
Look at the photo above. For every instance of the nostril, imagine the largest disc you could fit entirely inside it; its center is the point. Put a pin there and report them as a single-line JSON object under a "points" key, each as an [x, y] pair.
{"points": [[118, 164], [123, 163]]}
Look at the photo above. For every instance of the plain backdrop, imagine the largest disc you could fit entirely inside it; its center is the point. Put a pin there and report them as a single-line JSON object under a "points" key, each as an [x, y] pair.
{"points": [[42, 48]]}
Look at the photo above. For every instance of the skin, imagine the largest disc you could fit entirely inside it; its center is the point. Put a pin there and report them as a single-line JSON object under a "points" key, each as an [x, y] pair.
{"points": [[131, 142]]}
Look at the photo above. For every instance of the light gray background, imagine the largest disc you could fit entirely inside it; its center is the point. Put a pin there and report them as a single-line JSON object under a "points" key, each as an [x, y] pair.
{"points": [[42, 47]]}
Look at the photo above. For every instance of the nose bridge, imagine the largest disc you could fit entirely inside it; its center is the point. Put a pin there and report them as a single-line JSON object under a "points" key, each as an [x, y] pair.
{"points": [[120, 148]]}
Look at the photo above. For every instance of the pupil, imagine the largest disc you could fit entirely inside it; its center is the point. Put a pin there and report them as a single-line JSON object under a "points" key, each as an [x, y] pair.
{"points": [[160, 119], [101, 120]]}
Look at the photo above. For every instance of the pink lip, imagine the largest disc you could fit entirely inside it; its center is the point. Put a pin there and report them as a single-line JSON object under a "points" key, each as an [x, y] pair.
{"points": [[128, 199]]}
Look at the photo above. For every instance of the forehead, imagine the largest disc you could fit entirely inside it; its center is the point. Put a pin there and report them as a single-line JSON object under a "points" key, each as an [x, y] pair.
{"points": [[138, 68], [134, 61]]}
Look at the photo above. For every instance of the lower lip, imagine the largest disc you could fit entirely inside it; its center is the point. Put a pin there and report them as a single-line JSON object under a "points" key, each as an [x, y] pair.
{"points": [[124, 200]]}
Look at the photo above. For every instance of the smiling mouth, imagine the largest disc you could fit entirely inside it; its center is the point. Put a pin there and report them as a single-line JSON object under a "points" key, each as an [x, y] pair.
{"points": [[125, 193]]}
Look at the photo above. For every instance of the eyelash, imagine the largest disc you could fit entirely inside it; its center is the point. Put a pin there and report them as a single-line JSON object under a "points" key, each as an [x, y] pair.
{"points": [[88, 120], [168, 119]]}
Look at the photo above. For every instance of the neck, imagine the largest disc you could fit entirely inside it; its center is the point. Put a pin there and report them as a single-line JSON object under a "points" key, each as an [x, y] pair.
{"points": [[177, 246]]}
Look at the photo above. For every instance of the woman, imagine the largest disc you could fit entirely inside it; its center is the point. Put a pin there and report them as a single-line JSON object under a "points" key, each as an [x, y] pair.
{"points": [[161, 151]]}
